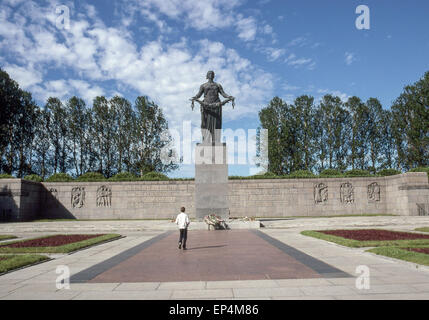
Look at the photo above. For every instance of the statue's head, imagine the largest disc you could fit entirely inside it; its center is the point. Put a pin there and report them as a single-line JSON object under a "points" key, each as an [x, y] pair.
{"points": [[210, 75]]}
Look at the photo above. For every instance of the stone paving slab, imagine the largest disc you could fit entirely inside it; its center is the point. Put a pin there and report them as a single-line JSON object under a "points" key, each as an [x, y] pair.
{"points": [[389, 278], [220, 256]]}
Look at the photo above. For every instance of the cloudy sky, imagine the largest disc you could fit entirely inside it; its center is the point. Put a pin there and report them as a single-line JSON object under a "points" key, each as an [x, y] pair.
{"points": [[258, 48]]}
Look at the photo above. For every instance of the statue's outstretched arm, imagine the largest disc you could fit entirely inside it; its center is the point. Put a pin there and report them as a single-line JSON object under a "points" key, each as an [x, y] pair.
{"points": [[200, 93], [223, 93]]}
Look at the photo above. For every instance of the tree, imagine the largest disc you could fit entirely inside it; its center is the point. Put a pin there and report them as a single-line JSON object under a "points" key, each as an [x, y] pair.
{"points": [[77, 123], [303, 113], [332, 136], [150, 137], [124, 121], [17, 127], [375, 133], [410, 113], [276, 119], [58, 134], [42, 144], [102, 131]]}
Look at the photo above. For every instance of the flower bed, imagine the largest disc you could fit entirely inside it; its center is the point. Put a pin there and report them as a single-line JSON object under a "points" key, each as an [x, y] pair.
{"points": [[56, 243], [370, 238], [420, 250], [51, 241], [375, 235]]}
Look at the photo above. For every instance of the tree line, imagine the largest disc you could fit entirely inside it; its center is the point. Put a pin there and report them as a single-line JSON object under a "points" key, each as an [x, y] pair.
{"points": [[332, 134], [109, 137], [114, 136]]}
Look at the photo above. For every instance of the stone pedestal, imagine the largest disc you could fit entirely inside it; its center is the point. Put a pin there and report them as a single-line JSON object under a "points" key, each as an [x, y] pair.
{"points": [[211, 180]]}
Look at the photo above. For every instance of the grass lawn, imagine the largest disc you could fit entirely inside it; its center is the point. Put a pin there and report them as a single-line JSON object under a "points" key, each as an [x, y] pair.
{"points": [[67, 248], [402, 254], [4, 237], [424, 229], [12, 262], [361, 244]]}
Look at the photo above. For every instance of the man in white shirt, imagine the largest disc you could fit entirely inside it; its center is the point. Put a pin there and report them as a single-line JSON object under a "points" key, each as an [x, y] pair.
{"points": [[182, 221]]}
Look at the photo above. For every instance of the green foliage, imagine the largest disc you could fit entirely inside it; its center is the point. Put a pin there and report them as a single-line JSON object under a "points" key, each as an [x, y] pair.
{"points": [[402, 254], [33, 177], [154, 176], [6, 176], [12, 262], [388, 172], [302, 174], [267, 175], [91, 177], [357, 173], [330, 172], [124, 176], [60, 177], [420, 169], [410, 124], [6, 237]]}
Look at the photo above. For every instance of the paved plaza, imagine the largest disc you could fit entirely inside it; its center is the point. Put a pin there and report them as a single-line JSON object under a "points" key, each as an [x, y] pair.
{"points": [[275, 262]]}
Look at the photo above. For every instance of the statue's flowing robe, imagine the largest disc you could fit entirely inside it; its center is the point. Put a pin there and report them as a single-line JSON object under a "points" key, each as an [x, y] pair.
{"points": [[211, 112]]}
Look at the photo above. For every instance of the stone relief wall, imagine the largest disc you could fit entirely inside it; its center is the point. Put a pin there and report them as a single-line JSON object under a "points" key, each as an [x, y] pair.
{"points": [[78, 197], [104, 197], [402, 195], [347, 195], [320, 193], [374, 192]]}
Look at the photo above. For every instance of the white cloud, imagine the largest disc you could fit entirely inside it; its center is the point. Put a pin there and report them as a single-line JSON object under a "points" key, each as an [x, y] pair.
{"points": [[298, 42], [26, 77], [288, 87], [273, 54], [296, 62], [200, 15], [349, 58], [246, 28], [170, 73], [343, 96]]}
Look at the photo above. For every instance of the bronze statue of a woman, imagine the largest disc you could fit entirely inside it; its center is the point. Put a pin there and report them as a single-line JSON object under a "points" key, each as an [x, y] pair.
{"points": [[211, 109]]}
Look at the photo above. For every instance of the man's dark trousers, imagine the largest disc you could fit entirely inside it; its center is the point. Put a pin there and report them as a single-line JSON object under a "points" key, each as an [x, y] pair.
{"points": [[183, 237]]}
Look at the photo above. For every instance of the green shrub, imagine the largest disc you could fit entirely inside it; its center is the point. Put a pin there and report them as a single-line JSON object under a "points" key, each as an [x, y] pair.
{"points": [[330, 172], [33, 177], [388, 172], [60, 177], [154, 176], [301, 174], [421, 169], [6, 176], [357, 173], [266, 175], [91, 177], [123, 176]]}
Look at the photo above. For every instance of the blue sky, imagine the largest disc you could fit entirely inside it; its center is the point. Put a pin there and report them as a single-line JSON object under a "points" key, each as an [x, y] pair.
{"points": [[258, 49]]}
